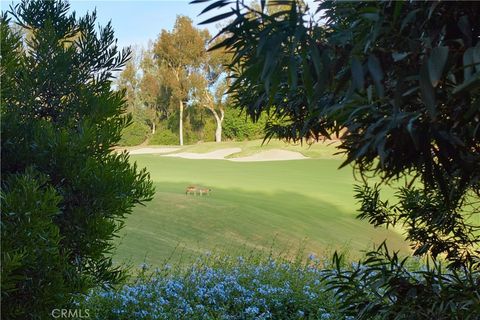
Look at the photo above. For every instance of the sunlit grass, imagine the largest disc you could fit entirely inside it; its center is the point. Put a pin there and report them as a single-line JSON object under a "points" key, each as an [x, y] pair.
{"points": [[250, 205]]}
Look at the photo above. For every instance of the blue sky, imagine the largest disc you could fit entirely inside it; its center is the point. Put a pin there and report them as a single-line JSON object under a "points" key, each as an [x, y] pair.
{"points": [[137, 22]]}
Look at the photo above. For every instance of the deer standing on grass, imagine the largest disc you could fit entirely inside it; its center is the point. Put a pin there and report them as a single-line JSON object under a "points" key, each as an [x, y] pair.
{"points": [[190, 190], [194, 189], [205, 191]]}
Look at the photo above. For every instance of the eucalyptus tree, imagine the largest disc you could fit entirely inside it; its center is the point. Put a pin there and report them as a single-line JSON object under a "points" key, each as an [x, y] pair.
{"points": [[214, 80], [141, 81], [129, 81], [404, 79], [179, 54]]}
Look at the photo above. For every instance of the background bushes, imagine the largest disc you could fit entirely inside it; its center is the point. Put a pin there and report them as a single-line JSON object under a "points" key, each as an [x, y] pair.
{"points": [[238, 126], [198, 127], [164, 136], [134, 134]]}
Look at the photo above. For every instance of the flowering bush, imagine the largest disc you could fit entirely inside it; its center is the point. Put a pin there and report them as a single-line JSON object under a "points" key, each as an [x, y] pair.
{"points": [[220, 288]]}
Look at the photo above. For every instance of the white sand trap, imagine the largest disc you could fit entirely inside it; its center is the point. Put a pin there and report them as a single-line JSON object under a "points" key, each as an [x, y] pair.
{"points": [[272, 155], [152, 150], [217, 154]]}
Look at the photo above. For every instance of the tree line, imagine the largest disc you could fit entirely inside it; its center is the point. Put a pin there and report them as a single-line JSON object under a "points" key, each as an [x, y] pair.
{"points": [[177, 90]]}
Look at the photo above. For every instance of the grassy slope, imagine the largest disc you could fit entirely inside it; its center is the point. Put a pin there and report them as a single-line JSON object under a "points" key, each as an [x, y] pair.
{"points": [[251, 205]]}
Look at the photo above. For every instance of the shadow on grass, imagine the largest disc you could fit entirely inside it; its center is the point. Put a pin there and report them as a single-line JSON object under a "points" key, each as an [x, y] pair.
{"points": [[175, 226]]}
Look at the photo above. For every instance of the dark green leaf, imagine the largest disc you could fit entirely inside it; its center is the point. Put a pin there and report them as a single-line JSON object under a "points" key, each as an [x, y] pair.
{"points": [[293, 74], [428, 92], [371, 16], [375, 68], [473, 83], [218, 18], [409, 18], [369, 93], [436, 64], [466, 29], [376, 72], [476, 56], [307, 80], [315, 55], [413, 132], [468, 64], [433, 6], [398, 56], [357, 74], [215, 5]]}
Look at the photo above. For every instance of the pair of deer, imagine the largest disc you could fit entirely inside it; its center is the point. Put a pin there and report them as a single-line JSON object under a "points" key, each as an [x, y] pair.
{"points": [[195, 189]]}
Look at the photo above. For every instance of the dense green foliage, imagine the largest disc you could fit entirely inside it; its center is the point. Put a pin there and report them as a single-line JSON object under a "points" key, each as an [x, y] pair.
{"points": [[197, 127], [31, 255], [64, 194], [238, 127], [134, 134], [164, 137], [403, 78], [385, 286]]}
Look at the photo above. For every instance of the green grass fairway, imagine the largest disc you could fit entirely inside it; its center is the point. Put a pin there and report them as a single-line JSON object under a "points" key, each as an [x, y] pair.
{"points": [[252, 205]]}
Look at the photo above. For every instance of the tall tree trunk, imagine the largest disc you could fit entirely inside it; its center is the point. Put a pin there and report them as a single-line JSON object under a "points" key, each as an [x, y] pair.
{"points": [[218, 132], [219, 121], [180, 126], [153, 128]]}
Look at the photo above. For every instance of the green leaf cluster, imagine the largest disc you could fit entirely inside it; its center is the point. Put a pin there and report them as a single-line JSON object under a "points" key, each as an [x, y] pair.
{"points": [[387, 286], [65, 195], [134, 134], [238, 126]]}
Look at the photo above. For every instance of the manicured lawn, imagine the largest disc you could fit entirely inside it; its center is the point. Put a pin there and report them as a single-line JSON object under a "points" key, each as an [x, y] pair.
{"points": [[252, 205]]}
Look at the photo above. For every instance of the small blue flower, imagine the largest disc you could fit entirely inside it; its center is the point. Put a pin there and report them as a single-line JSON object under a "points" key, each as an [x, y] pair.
{"points": [[252, 310]]}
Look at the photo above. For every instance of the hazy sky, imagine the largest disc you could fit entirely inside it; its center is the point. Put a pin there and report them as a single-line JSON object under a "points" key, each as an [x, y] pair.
{"points": [[137, 22]]}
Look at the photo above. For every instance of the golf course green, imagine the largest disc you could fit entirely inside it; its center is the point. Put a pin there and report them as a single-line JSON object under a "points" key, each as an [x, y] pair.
{"points": [[275, 206]]}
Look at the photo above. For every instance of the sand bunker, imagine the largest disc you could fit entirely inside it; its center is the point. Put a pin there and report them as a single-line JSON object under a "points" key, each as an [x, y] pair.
{"points": [[152, 150], [272, 155], [217, 154], [267, 155]]}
